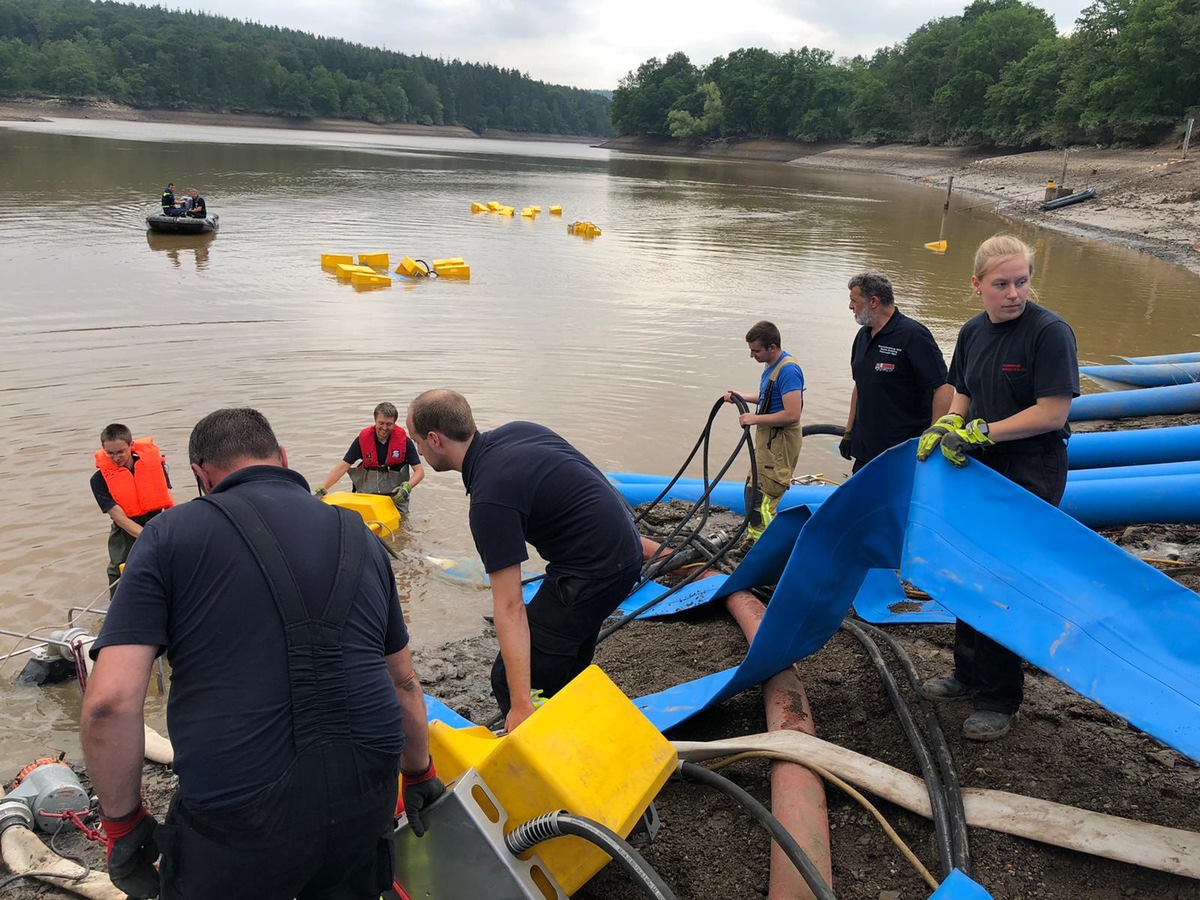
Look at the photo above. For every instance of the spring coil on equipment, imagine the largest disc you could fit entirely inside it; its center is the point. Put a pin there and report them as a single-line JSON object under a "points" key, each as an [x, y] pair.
{"points": [[533, 832]]}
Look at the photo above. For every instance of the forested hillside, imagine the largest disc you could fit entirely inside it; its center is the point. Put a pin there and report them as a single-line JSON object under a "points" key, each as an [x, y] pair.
{"points": [[999, 74], [152, 57]]}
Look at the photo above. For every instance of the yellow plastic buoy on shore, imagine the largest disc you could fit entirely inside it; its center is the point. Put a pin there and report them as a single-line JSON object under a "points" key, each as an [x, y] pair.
{"points": [[375, 260], [479, 207], [936, 246], [556, 210], [329, 260]]}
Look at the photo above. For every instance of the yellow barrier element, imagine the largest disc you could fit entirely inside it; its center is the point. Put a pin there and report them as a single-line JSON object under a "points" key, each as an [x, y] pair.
{"points": [[345, 270], [371, 279], [410, 267], [583, 229], [588, 750], [329, 260], [506, 210], [528, 213], [556, 210], [377, 510], [463, 272], [479, 207], [936, 246], [446, 261], [536, 209], [495, 205], [376, 260]]}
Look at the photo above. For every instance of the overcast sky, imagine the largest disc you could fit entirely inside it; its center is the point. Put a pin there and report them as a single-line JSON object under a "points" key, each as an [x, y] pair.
{"points": [[594, 43]]}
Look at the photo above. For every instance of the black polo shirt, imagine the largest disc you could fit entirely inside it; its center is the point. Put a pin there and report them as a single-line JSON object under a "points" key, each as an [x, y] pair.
{"points": [[896, 373], [527, 484], [1004, 367], [191, 587]]}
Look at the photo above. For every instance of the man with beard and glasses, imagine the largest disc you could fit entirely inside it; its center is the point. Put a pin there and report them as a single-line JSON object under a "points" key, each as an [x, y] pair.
{"points": [[899, 374]]}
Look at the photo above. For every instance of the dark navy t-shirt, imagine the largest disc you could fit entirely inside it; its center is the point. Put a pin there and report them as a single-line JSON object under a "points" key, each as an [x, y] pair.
{"points": [[411, 457], [1004, 367], [527, 484], [896, 373], [192, 587]]}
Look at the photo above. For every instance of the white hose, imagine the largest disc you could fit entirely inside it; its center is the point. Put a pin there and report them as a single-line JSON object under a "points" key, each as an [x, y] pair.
{"points": [[158, 748], [23, 853], [1151, 846]]}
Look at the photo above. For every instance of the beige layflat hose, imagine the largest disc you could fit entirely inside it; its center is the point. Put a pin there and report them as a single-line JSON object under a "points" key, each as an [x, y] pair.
{"points": [[1151, 846], [158, 748], [23, 852]]}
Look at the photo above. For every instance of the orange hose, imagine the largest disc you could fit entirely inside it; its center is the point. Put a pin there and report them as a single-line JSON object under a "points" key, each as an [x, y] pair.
{"points": [[797, 795]]}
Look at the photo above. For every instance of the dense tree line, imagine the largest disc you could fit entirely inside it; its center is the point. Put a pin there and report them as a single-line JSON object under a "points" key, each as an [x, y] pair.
{"points": [[999, 74], [153, 57]]}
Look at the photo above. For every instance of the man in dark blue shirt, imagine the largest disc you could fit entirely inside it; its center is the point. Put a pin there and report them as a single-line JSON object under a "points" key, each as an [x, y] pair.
{"points": [[899, 373], [527, 484], [293, 698], [382, 460], [170, 206]]}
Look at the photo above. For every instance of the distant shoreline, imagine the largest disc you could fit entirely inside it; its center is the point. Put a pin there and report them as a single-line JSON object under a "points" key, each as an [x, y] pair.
{"points": [[1147, 199], [36, 110]]}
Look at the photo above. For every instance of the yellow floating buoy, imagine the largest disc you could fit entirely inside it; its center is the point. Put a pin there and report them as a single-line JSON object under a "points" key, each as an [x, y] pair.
{"points": [[447, 261], [377, 510], [374, 279], [936, 246], [528, 213], [495, 205], [329, 260], [413, 269], [556, 210], [479, 207], [375, 260], [583, 229], [460, 271], [507, 210], [345, 270]]}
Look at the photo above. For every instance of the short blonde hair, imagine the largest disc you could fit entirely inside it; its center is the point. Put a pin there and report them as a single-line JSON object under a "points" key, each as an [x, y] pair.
{"points": [[1000, 247]]}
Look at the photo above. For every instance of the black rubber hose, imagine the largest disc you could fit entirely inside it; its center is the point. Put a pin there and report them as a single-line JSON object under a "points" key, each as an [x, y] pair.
{"points": [[834, 430], [929, 771], [937, 739], [808, 870], [562, 823]]}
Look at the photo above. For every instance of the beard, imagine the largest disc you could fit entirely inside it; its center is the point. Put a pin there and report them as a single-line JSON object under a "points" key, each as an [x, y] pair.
{"points": [[863, 316]]}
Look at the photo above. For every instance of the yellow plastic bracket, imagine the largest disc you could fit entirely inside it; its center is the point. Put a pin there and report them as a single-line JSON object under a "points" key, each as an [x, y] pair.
{"points": [[377, 510]]}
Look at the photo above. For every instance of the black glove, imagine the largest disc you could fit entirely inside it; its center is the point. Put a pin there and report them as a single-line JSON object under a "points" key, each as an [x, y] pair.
{"points": [[844, 446], [419, 791], [132, 852]]}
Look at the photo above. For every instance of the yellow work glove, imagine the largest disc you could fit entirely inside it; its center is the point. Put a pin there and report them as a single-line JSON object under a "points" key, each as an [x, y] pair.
{"points": [[971, 438], [933, 435]]}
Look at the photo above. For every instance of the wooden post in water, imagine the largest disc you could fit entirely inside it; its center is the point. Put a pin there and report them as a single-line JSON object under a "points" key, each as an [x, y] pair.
{"points": [[1187, 137], [949, 188]]}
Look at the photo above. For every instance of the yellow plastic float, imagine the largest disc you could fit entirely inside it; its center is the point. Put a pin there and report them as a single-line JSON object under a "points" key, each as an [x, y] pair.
{"points": [[329, 260], [370, 279], [375, 260], [345, 270], [479, 207], [529, 212], [495, 205], [936, 246], [377, 510], [556, 210], [588, 750], [413, 269], [583, 229]]}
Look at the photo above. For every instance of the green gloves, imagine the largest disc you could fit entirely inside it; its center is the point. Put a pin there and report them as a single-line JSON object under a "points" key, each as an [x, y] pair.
{"points": [[844, 446], [401, 494], [934, 434], [320, 492], [971, 438]]}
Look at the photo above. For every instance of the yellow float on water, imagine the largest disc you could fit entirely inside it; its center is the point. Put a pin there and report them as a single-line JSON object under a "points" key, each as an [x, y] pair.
{"points": [[345, 270], [495, 205], [556, 210], [376, 260], [529, 212], [329, 260], [377, 510], [936, 246], [413, 269], [583, 229], [370, 279], [479, 207], [588, 750]]}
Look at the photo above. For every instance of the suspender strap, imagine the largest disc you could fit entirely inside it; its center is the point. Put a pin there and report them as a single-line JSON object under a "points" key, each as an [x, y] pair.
{"points": [[764, 404]]}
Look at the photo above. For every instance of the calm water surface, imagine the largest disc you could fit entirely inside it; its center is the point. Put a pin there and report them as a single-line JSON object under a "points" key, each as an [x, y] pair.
{"points": [[621, 343]]}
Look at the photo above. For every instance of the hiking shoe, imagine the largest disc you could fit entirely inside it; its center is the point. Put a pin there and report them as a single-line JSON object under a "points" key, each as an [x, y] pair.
{"points": [[947, 687], [987, 725]]}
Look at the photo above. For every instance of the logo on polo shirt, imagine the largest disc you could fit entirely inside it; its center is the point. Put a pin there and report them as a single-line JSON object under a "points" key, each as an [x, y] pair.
{"points": [[1013, 368], [884, 367], [890, 351]]}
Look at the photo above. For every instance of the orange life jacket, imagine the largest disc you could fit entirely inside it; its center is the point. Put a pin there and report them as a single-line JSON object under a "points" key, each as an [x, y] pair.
{"points": [[144, 490], [396, 452]]}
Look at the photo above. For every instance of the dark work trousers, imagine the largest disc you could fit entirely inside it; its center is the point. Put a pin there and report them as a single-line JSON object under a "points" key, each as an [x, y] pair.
{"points": [[565, 617], [323, 830], [990, 670], [120, 542]]}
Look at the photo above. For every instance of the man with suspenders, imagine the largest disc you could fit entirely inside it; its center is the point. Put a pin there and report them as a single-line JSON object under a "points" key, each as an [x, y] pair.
{"points": [[776, 420]]}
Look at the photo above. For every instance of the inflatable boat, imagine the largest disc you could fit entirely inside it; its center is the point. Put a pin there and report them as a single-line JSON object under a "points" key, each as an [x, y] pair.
{"points": [[164, 224]]}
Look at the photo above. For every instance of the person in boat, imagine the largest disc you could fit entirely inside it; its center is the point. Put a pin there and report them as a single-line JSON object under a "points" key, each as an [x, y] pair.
{"points": [[1015, 370], [294, 706], [195, 205], [899, 374], [171, 206], [383, 459], [131, 485], [529, 485], [778, 405]]}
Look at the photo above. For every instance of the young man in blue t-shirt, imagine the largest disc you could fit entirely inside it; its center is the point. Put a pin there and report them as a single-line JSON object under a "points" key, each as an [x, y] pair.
{"points": [[776, 420]]}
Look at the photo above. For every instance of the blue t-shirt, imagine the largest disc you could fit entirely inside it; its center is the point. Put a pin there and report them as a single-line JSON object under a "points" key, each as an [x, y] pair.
{"points": [[192, 587], [790, 378], [527, 484]]}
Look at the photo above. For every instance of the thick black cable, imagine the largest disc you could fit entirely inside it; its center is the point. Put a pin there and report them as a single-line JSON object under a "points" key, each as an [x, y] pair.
{"points": [[563, 824], [804, 865], [929, 771], [950, 782]]}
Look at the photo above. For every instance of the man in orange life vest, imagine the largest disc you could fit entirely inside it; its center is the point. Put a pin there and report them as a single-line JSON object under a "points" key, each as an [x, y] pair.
{"points": [[390, 462], [132, 485]]}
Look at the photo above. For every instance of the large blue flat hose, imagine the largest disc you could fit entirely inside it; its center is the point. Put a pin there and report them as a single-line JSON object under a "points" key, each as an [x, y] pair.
{"points": [[1155, 401], [1192, 356], [1017, 569], [1145, 375], [1133, 447]]}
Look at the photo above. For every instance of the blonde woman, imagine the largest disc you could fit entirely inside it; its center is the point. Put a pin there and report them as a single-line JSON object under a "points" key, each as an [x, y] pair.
{"points": [[1015, 371]]}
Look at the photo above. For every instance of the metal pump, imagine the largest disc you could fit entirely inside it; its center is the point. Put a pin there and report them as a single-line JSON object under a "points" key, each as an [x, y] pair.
{"points": [[45, 789]]}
